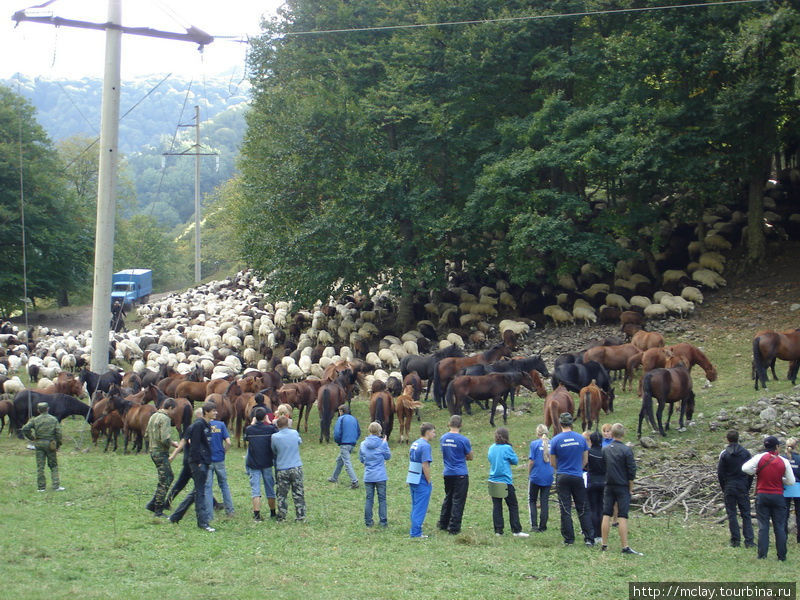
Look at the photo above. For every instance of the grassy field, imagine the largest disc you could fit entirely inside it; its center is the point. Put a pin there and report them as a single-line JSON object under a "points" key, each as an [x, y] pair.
{"points": [[96, 540]]}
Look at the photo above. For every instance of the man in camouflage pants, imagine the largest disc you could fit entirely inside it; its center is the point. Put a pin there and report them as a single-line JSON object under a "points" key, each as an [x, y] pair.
{"points": [[159, 436], [45, 432], [289, 467]]}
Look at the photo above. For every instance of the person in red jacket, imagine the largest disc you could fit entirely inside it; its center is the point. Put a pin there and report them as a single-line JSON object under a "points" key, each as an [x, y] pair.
{"points": [[772, 472]]}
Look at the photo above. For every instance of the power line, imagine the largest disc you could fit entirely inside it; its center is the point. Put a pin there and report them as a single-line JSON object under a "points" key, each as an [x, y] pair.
{"points": [[588, 13]]}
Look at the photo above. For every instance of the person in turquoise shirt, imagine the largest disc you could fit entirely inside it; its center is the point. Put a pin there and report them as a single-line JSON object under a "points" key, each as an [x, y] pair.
{"points": [[501, 457]]}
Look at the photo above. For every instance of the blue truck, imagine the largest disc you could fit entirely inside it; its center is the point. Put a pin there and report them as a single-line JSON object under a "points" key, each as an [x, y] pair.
{"points": [[131, 286]]}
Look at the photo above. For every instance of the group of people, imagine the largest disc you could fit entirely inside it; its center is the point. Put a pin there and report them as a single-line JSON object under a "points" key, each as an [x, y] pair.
{"points": [[271, 444], [777, 490], [594, 472]]}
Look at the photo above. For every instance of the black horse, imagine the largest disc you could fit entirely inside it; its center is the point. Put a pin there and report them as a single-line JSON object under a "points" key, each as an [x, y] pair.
{"points": [[425, 366], [102, 382], [574, 377], [61, 406]]}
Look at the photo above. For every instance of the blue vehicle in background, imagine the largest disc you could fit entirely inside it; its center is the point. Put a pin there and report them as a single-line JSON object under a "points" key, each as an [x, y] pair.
{"points": [[131, 286]]}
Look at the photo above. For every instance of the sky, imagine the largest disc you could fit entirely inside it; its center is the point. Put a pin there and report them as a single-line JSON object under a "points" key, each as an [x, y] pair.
{"points": [[41, 50]]}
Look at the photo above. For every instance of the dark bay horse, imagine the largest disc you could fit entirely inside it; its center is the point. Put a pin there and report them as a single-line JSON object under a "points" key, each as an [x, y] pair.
{"points": [[465, 389], [426, 365], [329, 397], [134, 418], [381, 410], [668, 386], [558, 401], [770, 345], [61, 406], [447, 368], [300, 395]]}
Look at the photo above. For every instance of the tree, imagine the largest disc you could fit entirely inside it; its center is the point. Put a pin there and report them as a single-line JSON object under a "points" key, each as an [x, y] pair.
{"points": [[58, 238]]}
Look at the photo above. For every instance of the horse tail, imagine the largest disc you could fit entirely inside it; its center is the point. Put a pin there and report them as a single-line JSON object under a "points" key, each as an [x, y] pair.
{"points": [[647, 397], [554, 417], [450, 398], [379, 416], [186, 419], [437, 385], [326, 408], [587, 407], [758, 364]]}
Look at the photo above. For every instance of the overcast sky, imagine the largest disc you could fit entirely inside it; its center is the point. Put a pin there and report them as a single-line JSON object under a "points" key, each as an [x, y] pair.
{"points": [[36, 49]]}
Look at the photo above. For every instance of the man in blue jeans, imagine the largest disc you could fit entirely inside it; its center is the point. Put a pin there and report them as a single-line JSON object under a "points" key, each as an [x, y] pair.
{"points": [[419, 478], [220, 442], [569, 453], [346, 434]]}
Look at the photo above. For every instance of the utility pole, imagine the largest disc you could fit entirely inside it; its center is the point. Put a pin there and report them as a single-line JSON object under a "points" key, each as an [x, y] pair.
{"points": [[197, 154], [107, 175]]}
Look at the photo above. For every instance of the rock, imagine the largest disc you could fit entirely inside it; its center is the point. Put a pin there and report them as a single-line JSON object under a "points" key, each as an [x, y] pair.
{"points": [[757, 426], [723, 415], [768, 414], [648, 442], [713, 426], [794, 307]]}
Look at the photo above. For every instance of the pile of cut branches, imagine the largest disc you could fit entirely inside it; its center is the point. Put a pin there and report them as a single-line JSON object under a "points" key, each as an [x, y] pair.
{"points": [[691, 486]]}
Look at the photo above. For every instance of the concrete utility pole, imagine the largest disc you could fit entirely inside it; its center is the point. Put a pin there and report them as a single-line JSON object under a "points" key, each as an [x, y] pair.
{"points": [[107, 175], [106, 192]]}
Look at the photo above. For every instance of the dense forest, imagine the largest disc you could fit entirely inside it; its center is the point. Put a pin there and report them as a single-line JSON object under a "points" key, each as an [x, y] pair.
{"points": [[522, 148]]}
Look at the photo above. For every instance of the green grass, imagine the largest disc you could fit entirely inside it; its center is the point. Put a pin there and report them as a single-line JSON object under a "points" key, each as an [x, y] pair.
{"points": [[97, 541]]}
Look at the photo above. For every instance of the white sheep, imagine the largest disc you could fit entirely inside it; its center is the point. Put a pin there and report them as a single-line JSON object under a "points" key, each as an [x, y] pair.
{"points": [[586, 313], [709, 278], [673, 275], [250, 356], [487, 291], [373, 359], [659, 295], [558, 314], [483, 309], [346, 353], [640, 301], [432, 309], [567, 282], [618, 301], [13, 385], [712, 260], [411, 347], [388, 357], [716, 242], [637, 278], [305, 364], [655, 311], [455, 339], [692, 294], [508, 300], [517, 327]]}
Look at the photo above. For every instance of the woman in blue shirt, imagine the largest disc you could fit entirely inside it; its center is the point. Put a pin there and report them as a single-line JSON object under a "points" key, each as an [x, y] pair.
{"points": [[540, 479], [501, 457]]}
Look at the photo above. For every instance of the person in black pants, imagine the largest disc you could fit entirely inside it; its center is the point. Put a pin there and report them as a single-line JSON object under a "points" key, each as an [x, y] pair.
{"points": [[540, 479], [186, 472], [569, 454], [198, 438], [456, 451], [794, 462], [735, 486], [596, 482]]}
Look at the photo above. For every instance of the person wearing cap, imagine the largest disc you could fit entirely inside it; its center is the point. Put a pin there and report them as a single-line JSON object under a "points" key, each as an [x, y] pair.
{"points": [[159, 437], [345, 433], [45, 432], [569, 454], [620, 473], [736, 486], [772, 472]]}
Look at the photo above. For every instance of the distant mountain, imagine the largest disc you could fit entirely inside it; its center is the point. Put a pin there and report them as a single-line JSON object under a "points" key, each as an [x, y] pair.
{"points": [[72, 107]]}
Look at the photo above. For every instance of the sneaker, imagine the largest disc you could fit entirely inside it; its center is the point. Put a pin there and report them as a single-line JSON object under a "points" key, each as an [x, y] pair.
{"points": [[60, 488], [209, 529], [753, 545], [423, 537], [603, 548], [629, 550], [569, 543], [735, 544], [159, 515], [331, 479], [521, 534], [42, 490], [354, 485], [258, 519], [598, 540], [497, 533], [589, 543]]}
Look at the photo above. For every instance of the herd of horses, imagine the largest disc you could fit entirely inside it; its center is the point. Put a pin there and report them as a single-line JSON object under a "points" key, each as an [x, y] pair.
{"points": [[123, 403]]}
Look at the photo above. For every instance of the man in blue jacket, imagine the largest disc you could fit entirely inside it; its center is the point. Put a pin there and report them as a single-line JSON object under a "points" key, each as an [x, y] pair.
{"points": [[346, 434]]}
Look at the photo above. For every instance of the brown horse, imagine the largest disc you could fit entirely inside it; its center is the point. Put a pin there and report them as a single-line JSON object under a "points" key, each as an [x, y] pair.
{"points": [[405, 406], [668, 386], [225, 408], [692, 355], [647, 339], [65, 383], [134, 418], [194, 391], [558, 401], [329, 397], [303, 395], [495, 386], [771, 345], [218, 386], [181, 414], [108, 423], [447, 368], [381, 410], [592, 399], [6, 406], [613, 358]]}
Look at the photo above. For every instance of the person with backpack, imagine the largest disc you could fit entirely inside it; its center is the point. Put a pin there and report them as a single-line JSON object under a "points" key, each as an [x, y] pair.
{"points": [[736, 485]]}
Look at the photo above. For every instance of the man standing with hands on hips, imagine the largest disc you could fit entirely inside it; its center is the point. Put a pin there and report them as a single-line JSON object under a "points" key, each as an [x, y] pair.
{"points": [[419, 478]]}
